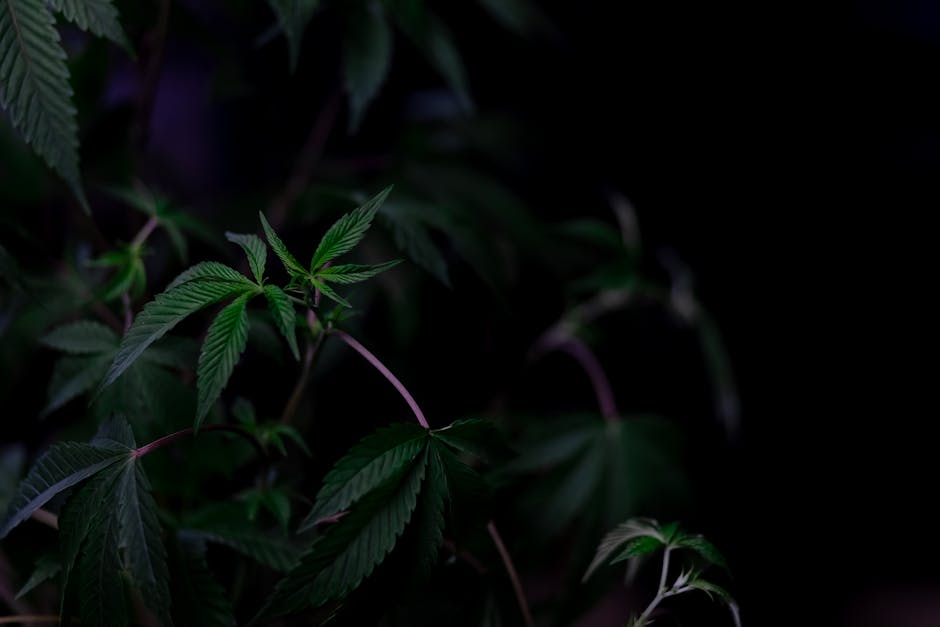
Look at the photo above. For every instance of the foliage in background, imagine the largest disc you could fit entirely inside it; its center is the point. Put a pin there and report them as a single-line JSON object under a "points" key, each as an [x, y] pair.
{"points": [[187, 442]]}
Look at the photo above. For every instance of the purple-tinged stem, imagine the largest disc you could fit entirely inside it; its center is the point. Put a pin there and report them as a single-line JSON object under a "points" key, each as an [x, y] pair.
{"points": [[25, 619], [513, 575], [145, 231], [185, 433], [128, 311], [570, 343], [46, 517], [372, 359]]}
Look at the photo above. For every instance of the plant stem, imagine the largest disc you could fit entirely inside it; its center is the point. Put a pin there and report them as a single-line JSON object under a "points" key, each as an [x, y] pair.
{"points": [[29, 618], [660, 592], [513, 575], [563, 339], [128, 311], [306, 161], [294, 401], [46, 517], [152, 223], [378, 365], [185, 433], [148, 93]]}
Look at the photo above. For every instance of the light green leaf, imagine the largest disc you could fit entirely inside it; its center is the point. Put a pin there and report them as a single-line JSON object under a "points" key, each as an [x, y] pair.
{"points": [[366, 58], [353, 273], [256, 251], [436, 43], [62, 466], [351, 548], [140, 536], [47, 567], [99, 17], [208, 270], [35, 90], [165, 312], [347, 231], [81, 337], [330, 293], [636, 547], [624, 533], [368, 464], [292, 266], [293, 17], [224, 344], [282, 310]]}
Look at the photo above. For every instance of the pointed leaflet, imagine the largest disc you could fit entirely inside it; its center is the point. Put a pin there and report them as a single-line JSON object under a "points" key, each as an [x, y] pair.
{"points": [[428, 519], [47, 567], [703, 547], [351, 548], [34, 87], [140, 536], [208, 270], [292, 266], [224, 344], [101, 586], [99, 17], [256, 251], [199, 600], [367, 465], [228, 524], [165, 312], [330, 293], [61, 467], [624, 533], [347, 231], [712, 589], [72, 377], [436, 43], [366, 57], [353, 273], [81, 337], [475, 436], [282, 310], [293, 16]]}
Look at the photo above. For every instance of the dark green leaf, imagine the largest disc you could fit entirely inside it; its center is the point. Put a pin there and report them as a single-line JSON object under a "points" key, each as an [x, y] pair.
{"points": [[292, 266], [522, 17], [199, 600], [367, 465], [99, 17], [224, 344], [703, 547], [47, 567], [347, 231], [282, 310], [412, 237], [209, 271], [330, 293], [366, 58], [35, 90], [101, 586], [165, 312], [293, 17], [255, 250], [72, 377], [228, 524], [62, 466], [353, 273], [81, 337], [475, 436], [351, 548]]}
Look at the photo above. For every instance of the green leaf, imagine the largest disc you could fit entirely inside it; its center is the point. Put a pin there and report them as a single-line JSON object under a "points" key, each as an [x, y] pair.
{"points": [[140, 535], [368, 464], [211, 271], [228, 524], [715, 590], [293, 17], [282, 310], [199, 600], [244, 411], [437, 44], [72, 377], [34, 87], [428, 518], [353, 273], [224, 344], [351, 548], [172, 352], [330, 293], [99, 17], [468, 493], [522, 17], [101, 586], [347, 231], [412, 237], [62, 466], [367, 55], [637, 547], [47, 567], [624, 533], [256, 251], [704, 548], [476, 437], [165, 312], [81, 337], [292, 266]]}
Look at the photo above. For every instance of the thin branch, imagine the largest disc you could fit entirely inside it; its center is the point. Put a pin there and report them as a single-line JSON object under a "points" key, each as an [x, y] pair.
{"points": [[661, 592], [306, 161], [378, 365], [128, 311], [152, 223], [148, 93], [185, 433], [466, 556], [563, 339], [29, 618], [46, 517], [513, 575], [313, 348]]}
